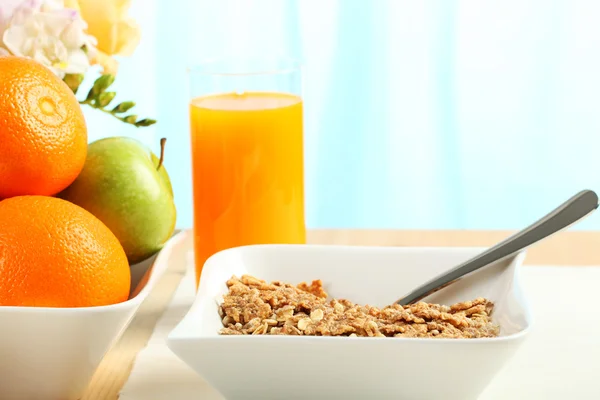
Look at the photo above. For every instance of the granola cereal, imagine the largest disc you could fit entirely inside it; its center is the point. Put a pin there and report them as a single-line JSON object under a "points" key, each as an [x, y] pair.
{"points": [[255, 307]]}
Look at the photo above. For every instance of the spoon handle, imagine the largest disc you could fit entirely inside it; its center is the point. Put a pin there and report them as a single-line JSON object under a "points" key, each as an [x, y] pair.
{"points": [[563, 216]]}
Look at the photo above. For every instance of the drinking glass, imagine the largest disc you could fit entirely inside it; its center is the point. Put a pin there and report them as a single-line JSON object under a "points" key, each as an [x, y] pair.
{"points": [[246, 123]]}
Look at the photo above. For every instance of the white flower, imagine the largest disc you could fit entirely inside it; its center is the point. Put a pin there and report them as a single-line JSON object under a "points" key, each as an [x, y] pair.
{"points": [[50, 34], [7, 8]]}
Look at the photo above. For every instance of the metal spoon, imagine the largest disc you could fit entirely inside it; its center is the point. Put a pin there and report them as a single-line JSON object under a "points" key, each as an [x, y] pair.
{"points": [[566, 214]]}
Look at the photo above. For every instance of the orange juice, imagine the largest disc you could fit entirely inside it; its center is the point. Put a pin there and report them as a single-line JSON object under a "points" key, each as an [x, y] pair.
{"points": [[248, 171]]}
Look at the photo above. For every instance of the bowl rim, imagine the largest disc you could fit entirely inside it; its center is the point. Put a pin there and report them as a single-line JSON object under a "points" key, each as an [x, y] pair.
{"points": [[178, 338], [151, 277], [175, 336]]}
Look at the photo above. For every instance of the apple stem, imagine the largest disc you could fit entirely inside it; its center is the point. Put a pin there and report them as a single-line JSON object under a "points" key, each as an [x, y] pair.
{"points": [[163, 141]]}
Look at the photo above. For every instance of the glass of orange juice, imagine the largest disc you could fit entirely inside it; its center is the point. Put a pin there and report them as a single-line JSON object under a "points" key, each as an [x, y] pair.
{"points": [[247, 154]]}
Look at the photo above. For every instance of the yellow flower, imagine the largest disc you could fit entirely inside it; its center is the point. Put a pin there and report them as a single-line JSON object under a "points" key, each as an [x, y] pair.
{"points": [[108, 22]]}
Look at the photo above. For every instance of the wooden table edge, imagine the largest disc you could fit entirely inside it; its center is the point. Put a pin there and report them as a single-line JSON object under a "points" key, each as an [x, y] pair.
{"points": [[572, 248]]}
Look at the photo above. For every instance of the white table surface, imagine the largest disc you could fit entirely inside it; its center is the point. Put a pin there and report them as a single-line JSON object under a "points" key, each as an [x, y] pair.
{"points": [[559, 360]]}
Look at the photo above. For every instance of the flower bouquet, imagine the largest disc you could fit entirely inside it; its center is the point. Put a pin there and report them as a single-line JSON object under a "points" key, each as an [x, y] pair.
{"points": [[69, 37]]}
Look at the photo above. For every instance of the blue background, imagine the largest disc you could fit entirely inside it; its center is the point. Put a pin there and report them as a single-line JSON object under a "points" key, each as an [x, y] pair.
{"points": [[419, 115]]}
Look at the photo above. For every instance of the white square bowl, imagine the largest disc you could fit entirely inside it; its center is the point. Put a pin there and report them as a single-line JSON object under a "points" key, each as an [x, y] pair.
{"points": [[52, 353], [303, 367]]}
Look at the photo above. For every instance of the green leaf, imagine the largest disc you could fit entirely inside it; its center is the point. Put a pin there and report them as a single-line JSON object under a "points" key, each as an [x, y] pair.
{"points": [[101, 84], [105, 98], [123, 107], [73, 81], [90, 96], [145, 122], [130, 119]]}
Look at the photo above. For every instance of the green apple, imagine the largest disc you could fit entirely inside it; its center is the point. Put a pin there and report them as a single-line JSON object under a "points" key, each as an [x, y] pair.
{"points": [[127, 187]]}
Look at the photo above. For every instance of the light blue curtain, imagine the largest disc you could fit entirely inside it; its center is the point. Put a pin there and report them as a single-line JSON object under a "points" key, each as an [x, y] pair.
{"points": [[419, 115]]}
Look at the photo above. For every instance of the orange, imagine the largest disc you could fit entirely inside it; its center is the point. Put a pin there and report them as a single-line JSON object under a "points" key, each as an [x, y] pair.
{"points": [[43, 136], [56, 254]]}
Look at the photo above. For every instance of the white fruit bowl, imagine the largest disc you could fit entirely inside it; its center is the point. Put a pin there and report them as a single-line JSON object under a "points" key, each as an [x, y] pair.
{"points": [[302, 367], [52, 353]]}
